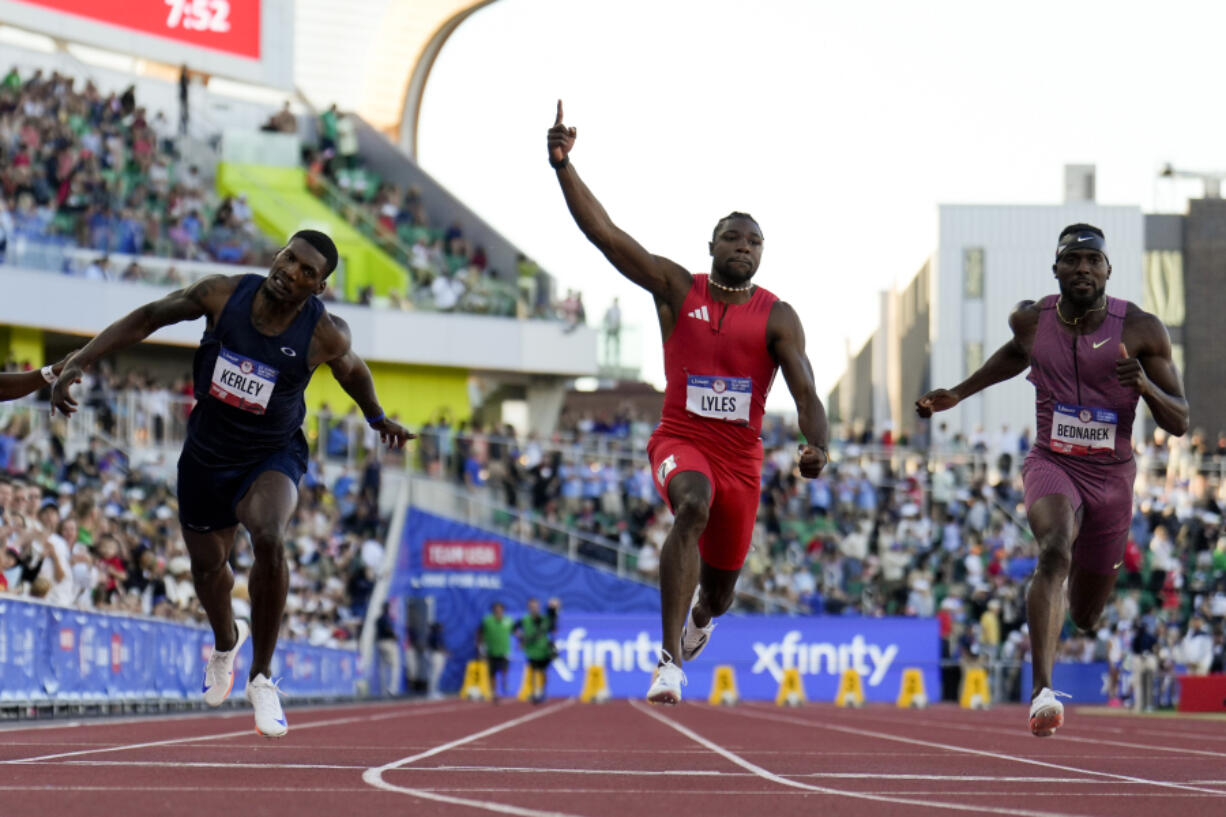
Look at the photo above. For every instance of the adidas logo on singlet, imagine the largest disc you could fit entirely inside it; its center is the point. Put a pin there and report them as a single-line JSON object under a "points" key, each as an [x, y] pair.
{"points": [[701, 313]]}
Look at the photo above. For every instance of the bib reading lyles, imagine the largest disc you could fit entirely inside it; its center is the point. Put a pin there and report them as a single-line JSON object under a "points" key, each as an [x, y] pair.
{"points": [[242, 382], [1082, 431], [719, 398]]}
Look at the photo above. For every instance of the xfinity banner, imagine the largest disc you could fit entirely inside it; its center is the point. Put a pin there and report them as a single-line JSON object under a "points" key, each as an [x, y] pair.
{"points": [[759, 648]]}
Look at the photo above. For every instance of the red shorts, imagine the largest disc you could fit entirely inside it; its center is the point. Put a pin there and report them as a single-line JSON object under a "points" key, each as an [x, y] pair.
{"points": [[734, 495]]}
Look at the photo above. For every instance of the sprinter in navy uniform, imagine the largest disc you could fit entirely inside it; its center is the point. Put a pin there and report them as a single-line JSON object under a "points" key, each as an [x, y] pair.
{"points": [[245, 451]]}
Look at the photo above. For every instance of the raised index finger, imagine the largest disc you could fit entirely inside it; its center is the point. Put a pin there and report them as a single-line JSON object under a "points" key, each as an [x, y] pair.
{"points": [[558, 121]]}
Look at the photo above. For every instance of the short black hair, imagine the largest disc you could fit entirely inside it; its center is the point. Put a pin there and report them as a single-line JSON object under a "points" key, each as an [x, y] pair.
{"points": [[321, 242], [1073, 229], [732, 215]]}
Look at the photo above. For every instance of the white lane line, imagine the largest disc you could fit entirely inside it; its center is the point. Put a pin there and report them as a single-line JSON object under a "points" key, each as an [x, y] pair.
{"points": [[964, 750], [224, 735], [670, 791], [126, 789], [854, 795], [200, 764], [374, 775], [107, 721], [944, 778], [996, 730], [937, 778]]}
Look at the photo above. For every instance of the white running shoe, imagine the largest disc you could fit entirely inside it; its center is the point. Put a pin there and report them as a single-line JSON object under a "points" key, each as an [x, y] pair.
{"points": [[1046, 713], [219, 673], [265, 697], [666, 683], [694, 638]]}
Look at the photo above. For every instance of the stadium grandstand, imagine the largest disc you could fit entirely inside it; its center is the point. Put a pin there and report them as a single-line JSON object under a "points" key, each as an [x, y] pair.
{"points": [[134, 163]]}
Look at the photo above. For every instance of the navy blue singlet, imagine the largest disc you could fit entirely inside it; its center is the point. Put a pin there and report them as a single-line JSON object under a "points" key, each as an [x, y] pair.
{"points": [[248, 386]]}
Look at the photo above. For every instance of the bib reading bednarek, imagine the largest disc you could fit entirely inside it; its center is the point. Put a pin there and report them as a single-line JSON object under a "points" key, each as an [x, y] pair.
{"points": [[1082, 431], [242, 382], [720, 398]]}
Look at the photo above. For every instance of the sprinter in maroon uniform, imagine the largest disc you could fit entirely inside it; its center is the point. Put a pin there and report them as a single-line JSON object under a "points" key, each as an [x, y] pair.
{"points": [[724, 338], [1090, 358]]}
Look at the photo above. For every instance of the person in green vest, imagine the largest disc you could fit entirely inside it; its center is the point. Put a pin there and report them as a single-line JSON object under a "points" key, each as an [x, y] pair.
{"points": [[535, 633], [327, 128], [494, 642]]}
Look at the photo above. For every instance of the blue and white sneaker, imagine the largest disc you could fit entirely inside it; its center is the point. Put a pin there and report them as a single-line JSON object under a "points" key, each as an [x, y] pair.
{"points": [[265, 698], [219, 673]]}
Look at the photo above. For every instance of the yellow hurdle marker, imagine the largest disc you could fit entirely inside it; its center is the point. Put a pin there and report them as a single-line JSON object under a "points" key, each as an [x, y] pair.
{"points": [[723, 687], [477, 682], [791, 689], [527, 687], [975, 689], [595, 686], [911, 693], [851, 689]]}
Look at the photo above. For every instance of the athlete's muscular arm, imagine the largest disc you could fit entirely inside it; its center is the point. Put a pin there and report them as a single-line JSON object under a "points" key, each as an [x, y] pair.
{"points": [[206, 297], [1008, 361], [786, 341], [1145, 365], [18, 384], [331, 344], [667, 281]]}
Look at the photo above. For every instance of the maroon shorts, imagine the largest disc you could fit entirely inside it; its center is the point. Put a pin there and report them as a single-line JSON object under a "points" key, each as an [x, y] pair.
{"points": [[1103, 492], [735, 492]]}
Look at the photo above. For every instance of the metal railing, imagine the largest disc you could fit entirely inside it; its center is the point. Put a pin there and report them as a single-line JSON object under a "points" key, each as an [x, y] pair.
{"points": [[58, 257]]}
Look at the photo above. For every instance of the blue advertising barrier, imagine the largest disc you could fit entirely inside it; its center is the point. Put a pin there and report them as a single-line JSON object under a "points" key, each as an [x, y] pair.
{"points": [[1087, 683], [615, 622], [466, 569], [758, 648], [61, 654]]}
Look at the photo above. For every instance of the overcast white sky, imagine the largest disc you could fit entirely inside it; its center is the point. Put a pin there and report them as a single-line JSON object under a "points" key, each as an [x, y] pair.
{"points": [[839, 125]]}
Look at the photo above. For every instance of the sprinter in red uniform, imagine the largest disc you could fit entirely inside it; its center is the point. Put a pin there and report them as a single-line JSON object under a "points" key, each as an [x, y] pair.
{"points": [[1090, 357], [724, 338]]}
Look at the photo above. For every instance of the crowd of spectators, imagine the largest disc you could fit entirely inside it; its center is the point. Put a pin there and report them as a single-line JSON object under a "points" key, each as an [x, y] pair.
{"points": [[83, 168], [94, 533], [888, 529], [448, 271], [80, 168]]}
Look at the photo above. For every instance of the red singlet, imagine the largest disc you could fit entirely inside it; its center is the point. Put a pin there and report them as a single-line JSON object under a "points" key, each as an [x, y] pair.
{"points": [[719, 371]]}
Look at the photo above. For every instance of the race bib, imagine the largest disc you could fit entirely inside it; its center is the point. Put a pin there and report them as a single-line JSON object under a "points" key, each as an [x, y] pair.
{"points": [[720, 398], [242, 382], [1082, 431]]}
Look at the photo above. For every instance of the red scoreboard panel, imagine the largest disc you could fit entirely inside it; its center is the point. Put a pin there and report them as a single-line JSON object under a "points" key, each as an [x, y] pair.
{"points": [[229, 26]]}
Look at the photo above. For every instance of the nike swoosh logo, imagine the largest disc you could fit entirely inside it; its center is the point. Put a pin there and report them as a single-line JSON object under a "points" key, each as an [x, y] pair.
{"points": [[1084, 238], [280, 721], [1117, 565], [1100, 343], [206, 688]]}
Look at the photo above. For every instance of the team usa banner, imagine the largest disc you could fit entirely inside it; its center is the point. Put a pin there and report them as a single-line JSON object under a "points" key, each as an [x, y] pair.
{"points": [[59, 654]]}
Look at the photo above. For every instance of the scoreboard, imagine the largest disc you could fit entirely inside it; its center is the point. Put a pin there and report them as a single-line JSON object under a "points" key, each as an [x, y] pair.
{"points": [[249, 40]]}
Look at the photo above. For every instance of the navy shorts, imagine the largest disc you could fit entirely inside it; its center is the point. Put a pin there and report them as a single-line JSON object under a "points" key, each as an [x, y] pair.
{"points": [[208, 496]]}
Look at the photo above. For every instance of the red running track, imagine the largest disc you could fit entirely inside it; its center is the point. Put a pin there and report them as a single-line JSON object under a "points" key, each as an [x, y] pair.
{"points": [[614, 759]]}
